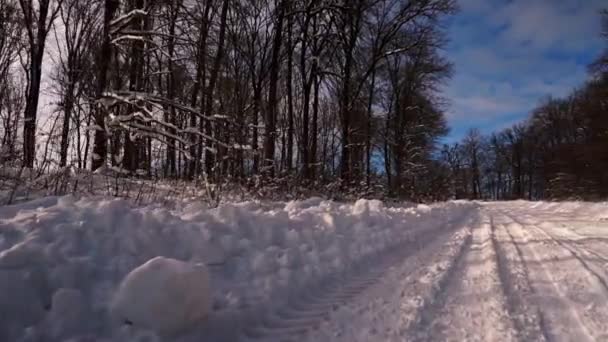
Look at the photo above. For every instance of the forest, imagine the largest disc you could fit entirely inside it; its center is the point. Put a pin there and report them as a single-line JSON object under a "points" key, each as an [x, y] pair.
{"points": [[274, 96]]}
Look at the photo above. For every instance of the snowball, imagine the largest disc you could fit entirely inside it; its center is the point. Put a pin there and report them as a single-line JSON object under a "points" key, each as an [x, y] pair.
{"points": [[164, 295]]}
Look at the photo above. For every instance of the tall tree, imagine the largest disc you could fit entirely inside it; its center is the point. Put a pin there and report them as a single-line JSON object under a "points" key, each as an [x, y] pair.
{"points": [[11, 97], [80, 25], [38, 16], [100, 145], [271, 116], [210, 151]]}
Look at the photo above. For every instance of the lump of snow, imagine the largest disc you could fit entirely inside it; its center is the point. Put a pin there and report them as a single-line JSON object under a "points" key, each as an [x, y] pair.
{"points": [[423, 208], [263, 262], [21, 255], [361, 207], [376, 206], [294, 206], [164, 295], [20, 304], [67, 312], [67, 302], [365, 207]]}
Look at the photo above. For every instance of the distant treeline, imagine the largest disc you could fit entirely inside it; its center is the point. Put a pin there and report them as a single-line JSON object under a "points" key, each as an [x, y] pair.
{"points": [[559, 152]]}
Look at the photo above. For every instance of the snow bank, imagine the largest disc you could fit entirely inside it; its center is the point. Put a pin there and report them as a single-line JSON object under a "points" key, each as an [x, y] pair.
{"points": [[62, 259]]}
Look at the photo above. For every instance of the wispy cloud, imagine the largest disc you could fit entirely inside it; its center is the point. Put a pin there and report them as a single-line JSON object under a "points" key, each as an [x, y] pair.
{"points": [[510, 53]]}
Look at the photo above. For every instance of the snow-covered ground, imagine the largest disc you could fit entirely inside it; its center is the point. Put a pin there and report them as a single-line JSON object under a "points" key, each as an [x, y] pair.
{"points": [[309, 270], [515, 271]]}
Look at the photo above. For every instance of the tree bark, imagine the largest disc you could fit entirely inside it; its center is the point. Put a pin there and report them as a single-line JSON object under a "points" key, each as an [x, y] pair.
{"points": [[368, 132], [37, 33], [132, 156], [171, 89], [271, 116], [289, 81], [67, 116], [210, 155], [315, 127], [100, 143], [193, 163]]}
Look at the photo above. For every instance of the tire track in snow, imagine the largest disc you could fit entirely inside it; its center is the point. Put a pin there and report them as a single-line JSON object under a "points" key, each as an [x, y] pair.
{"points": [[567, 298], [418, 331], [471, 305], [293, 320], [513, 272], [575, 252], [576, 244], [561, 223], [588, 250], [391, 309]]}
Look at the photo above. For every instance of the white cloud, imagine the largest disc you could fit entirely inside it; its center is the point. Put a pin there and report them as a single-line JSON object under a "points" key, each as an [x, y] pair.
{"points": [[475, 5], [510, 54], [543, 24]]}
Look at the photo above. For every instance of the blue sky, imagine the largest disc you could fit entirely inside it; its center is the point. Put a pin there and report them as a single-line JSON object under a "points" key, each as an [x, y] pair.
{"points": [[509, 54]]}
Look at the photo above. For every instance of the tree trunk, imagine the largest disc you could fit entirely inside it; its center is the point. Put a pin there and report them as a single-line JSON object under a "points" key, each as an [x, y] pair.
{"points": [[289, 84], [209, 155], [315, 128], [37, 33], [257, 103], [306, 88], [67, 116], [345, 94], [171, 85], [368, 131], [271, 116], [132, 155], [100, 143], [193, 163], [31, 106]]}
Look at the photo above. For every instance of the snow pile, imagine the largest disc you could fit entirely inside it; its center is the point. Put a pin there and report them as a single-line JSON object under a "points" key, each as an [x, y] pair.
{"points": [[62, 259], [164, 295]]}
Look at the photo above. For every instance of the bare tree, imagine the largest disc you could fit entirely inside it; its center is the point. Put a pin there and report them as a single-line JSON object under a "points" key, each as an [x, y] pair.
{"points": [[38, 16], [11, 97], [271, 116], [272, 92], [100, 144], [80, 25]]}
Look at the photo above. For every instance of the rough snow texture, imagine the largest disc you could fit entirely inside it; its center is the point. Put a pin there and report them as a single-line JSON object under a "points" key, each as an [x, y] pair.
{"points": [[164, 295], [516, 271], [312, 270], [62, 259]]}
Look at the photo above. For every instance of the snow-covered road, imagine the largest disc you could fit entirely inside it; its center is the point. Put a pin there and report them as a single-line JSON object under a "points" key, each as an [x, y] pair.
{"points": [[512, 272], [314, 270]]}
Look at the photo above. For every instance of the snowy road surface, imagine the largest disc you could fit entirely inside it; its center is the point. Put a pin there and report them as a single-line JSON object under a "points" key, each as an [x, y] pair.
{"points": [[316, 270], [510, 272]]}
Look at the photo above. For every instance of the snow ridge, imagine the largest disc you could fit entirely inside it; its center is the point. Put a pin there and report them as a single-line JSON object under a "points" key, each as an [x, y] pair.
{"points": [[261, 255]]}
